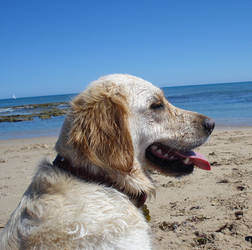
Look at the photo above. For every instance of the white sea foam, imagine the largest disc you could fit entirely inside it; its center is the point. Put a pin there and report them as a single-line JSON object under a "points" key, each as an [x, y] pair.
{"points": [[6, 110]]}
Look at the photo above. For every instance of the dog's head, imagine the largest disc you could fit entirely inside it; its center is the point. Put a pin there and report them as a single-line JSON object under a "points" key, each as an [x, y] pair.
{"points": [[124, 126]]}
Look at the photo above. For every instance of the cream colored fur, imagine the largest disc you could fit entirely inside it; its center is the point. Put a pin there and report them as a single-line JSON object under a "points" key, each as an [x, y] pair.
{"points": [[107, 131]]}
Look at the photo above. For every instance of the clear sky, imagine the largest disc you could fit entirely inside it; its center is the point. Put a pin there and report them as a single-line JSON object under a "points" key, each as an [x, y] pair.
{"points": [[58, 46]]}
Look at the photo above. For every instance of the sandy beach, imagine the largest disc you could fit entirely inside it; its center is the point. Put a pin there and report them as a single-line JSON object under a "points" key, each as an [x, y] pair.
{"points": [[206, 210]]}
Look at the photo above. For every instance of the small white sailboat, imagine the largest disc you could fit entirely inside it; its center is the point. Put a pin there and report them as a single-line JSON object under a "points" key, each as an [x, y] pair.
{"points": [[14, 97]]}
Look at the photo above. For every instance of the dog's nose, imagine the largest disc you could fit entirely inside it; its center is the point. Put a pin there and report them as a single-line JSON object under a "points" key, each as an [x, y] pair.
{"points": [[209, 125]]}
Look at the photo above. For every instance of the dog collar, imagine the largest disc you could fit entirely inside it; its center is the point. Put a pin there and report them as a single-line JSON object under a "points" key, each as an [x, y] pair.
{"points": [[81, 173]]}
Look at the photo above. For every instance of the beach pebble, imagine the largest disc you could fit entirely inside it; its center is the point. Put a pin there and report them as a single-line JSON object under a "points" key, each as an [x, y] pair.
{"points": [[212, 153], [215, 163], [166, 226], [240, 188], [223, 181], [195, 207], [248, 238], [238, 215]]}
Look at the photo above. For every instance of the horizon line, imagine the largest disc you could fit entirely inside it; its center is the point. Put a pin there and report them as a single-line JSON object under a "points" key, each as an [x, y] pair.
{"points": [[199, 84], [161, 86]]}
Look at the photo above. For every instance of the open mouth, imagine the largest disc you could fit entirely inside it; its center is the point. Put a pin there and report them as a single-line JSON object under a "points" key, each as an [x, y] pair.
{"points": [[171, 161]]}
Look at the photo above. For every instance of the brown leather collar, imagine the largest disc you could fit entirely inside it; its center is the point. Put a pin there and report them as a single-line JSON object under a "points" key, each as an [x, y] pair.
{"points": [[80, 172]]}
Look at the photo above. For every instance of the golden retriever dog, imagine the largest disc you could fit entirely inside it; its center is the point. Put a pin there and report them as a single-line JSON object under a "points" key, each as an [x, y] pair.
{"points": [[116, 132]]}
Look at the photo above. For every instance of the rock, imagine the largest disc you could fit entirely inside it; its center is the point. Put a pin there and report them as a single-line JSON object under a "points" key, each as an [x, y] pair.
{"points": [[166, 226], [238, 215], [248, 238]]}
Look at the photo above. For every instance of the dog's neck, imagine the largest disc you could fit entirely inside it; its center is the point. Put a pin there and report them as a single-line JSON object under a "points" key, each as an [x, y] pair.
{"points": [[83, 173]]}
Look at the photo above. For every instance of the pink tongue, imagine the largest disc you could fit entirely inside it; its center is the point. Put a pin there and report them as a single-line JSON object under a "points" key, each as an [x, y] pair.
{"points": [[200, 161], [197, 159]]}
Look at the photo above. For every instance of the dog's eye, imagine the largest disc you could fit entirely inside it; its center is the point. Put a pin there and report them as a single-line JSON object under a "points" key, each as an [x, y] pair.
{"points": [[157, 105]]}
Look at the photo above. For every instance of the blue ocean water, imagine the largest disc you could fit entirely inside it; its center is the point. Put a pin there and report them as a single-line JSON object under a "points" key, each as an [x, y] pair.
{"points": [[230, 104], [36, 127]]}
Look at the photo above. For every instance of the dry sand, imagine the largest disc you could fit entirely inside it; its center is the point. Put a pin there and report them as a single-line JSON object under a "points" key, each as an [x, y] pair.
{"points": [[206, 210]]}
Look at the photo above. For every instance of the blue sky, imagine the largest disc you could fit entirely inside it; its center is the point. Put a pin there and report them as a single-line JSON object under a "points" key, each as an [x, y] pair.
{"points": [[57, 46]]}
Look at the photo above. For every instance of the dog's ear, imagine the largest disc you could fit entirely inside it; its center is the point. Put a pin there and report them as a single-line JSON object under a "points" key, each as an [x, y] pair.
{"points": [[100, 128]]}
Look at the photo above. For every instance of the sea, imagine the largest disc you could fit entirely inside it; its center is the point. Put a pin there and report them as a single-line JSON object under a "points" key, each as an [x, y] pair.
{"points": [[229, 104]]}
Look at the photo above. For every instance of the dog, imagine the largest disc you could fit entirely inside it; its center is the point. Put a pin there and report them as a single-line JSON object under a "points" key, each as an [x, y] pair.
{"points": [[116, 132]]}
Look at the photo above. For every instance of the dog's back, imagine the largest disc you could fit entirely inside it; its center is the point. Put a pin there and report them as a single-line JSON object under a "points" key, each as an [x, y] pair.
{"points": [[59, 211]]}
